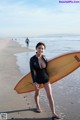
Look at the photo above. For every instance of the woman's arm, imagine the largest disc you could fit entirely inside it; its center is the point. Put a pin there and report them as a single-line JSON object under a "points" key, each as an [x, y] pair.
{"points": [[33, 73]]}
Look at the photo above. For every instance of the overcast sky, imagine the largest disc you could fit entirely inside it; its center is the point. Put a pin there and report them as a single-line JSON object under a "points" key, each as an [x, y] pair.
{"points": [[38, 17]]}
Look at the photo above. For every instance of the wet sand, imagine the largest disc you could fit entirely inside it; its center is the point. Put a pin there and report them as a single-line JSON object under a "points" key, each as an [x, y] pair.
{"points": [[21, 106]]}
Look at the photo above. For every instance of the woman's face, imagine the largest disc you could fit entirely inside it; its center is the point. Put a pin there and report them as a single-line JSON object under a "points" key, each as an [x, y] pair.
{"points": [[40, 49]]}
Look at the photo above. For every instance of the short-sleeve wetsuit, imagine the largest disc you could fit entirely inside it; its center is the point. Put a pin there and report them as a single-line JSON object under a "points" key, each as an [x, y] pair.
{"points": [[38, 74]]}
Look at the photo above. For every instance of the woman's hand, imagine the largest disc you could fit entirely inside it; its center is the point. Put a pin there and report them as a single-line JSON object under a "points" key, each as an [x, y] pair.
{"points": [[36, 85]]}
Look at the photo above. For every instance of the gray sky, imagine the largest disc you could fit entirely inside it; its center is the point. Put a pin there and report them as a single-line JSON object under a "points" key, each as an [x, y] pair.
{"points": [[38, 17]]}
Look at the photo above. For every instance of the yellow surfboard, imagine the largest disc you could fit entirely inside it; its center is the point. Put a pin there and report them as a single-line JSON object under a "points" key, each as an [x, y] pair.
{"points": [[58, 68]]}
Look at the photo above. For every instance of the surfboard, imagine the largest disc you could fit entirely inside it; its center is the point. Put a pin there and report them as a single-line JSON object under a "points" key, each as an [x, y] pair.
{"points": [[58, 68]]}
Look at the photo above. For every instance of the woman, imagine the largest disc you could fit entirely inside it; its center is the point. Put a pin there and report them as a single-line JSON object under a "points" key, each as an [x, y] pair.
{"points": [[38, 65]]}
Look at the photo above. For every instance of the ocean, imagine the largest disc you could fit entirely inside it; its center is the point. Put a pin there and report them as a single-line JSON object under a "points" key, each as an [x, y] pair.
{"points": [[55, 45]]}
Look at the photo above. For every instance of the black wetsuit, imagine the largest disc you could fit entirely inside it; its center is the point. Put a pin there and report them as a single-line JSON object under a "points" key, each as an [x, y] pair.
{"points": [[39, 75]]}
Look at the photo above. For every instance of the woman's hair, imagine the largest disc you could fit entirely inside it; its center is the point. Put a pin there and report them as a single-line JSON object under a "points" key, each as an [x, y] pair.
{"points": [[40, 43]]}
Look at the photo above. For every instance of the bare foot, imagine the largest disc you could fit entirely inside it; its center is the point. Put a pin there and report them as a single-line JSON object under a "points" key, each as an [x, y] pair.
{"points": [[38, 110], [55, 116]]}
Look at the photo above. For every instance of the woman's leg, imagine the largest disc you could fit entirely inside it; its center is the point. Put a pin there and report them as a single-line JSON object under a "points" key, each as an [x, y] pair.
{"points": [[36, 97], [50, 98]]}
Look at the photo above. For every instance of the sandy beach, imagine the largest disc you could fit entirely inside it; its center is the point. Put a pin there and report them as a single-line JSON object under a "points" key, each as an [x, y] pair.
{"points": [[20, 106]]}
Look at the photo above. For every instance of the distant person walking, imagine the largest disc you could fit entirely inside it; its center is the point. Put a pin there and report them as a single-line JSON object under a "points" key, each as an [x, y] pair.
{"points": [[27, 41]]}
